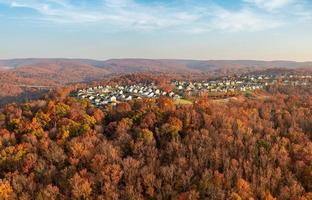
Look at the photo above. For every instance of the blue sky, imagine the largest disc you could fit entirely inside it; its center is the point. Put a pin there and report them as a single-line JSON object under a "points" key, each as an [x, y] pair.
{"points": [[189, 29]]}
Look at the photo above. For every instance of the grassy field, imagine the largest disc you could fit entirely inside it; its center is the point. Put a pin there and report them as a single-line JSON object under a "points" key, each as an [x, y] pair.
{"points": [[183, 102]]}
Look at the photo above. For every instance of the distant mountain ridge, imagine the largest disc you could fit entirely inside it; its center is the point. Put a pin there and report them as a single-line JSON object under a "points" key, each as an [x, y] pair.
{"points": [[19, 62], [63, 71], [153, 64]]}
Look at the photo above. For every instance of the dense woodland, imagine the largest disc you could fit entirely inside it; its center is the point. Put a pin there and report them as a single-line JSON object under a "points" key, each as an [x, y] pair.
{"points": [[248, 148]]}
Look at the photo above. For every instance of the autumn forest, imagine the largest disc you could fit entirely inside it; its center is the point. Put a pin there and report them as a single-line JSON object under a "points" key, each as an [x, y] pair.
{"points": [[155, 100], [248, 148]]}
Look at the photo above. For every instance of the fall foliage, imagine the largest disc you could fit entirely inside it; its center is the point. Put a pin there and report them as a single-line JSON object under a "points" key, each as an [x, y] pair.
{"points": [[246, 148]]}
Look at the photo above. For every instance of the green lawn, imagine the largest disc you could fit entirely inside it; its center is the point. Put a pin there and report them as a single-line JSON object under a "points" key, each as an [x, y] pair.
{"points": [[183, 102]]}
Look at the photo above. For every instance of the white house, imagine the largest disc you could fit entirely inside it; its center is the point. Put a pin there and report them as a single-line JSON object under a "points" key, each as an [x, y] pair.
{"points": [[113, 99]]}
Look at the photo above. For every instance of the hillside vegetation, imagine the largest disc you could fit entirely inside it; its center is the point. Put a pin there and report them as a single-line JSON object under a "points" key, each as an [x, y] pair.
{"points": [[64, 148], [20, 78]]}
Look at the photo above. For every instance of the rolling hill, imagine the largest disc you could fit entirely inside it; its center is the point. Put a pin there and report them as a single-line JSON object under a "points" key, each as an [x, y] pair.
{"points": [[133, 65], [17, 73]]}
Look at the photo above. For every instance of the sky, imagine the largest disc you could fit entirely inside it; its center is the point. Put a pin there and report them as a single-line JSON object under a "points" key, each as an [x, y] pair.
{"points": [[176, 29]]}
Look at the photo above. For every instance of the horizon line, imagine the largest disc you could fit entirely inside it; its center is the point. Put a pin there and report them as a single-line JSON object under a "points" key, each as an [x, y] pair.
{"points": [[142, 58]]}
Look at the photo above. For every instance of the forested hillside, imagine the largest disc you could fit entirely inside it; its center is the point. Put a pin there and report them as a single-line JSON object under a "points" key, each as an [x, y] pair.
{"points": [[17, 76], [249, 148]]}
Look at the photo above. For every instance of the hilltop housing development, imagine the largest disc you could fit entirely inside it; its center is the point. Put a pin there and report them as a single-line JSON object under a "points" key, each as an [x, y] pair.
{"points": [[106, 94]]}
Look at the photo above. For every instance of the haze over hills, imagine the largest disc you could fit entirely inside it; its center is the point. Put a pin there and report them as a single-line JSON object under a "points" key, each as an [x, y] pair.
{"points": [[134, 64], [16, 74], [64, 71], [77, 70]]}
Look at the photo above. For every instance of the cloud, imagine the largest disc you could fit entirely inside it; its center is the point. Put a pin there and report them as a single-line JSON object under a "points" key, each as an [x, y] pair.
{"points": [[58, 11], [186, 15], [270, 4], [243, 20], [118, 12]]}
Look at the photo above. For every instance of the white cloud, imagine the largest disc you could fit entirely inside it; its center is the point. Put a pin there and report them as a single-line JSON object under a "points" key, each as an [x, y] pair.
{"points": [[189, 15], [118, 12], [303, 11], [243, 20], [270, 4]]}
